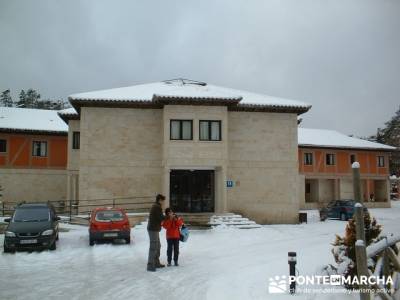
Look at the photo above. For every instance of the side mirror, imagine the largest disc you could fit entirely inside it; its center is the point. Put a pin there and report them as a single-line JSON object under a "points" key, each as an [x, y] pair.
{"points": [[7, 220], [56, 218]]}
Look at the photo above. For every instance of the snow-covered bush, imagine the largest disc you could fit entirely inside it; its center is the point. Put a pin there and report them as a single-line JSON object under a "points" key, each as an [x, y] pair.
{"points": [[344, 247]]}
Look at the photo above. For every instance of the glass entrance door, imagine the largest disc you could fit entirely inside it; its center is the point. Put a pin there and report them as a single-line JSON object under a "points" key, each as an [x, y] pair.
{"points": [[192, 191]]}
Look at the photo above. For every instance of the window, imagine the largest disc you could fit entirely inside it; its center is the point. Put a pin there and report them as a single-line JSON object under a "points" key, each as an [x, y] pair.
{"points": [[76, 136], [181, 130], [330, 159], [210, 131], [352, 158], [381, 161], [39, 148], [3, 145], [308, 159]]}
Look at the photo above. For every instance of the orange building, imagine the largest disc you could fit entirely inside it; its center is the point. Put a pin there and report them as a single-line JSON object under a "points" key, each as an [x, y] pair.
{"points": [[33, 155], [325, 159]]}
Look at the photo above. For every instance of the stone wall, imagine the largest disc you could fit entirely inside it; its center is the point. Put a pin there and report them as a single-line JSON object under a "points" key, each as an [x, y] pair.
{"points": [[120, 153], [263, 165], [196, 154], [33, 185]]}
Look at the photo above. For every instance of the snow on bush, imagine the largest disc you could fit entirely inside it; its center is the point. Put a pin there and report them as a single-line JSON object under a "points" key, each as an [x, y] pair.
{"points": [[344, 248]]}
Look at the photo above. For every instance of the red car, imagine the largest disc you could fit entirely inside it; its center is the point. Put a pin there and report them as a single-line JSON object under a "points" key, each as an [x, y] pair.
{"points": [[109, 224]]}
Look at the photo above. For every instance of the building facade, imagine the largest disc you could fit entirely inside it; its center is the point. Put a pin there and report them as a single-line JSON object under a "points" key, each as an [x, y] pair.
{"points": [[209, 149], [33, 155], [325, 159]]}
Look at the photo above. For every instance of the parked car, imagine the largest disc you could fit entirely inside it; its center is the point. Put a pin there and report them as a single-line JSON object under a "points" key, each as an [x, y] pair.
{"points": [[339, 209], [32, 226], [109, 224]]}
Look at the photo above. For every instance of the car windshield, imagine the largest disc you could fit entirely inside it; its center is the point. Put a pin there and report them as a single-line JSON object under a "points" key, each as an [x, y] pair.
{"points": [[109, 215], [331, 204], [31, 215]]}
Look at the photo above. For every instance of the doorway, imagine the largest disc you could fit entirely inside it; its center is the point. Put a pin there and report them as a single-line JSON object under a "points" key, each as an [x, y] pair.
{"points": [[192, 191]]}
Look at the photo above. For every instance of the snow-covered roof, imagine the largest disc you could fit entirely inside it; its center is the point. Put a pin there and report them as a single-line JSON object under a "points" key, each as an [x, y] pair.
{"points": [[68, 112], [188, 89], [330, 138], [33, 120]]}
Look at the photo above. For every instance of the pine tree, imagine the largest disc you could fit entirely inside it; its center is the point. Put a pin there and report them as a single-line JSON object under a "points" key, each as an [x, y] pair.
{"points": [[22, 99], [390, 135], [5, 99], [32, 98]]}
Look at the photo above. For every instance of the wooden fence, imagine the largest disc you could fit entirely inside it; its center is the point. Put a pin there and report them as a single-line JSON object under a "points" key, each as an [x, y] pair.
{"points": [[387, 260]]}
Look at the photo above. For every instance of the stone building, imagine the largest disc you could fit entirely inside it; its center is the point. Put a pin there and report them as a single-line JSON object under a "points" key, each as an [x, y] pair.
{"points": [[208, 148]]}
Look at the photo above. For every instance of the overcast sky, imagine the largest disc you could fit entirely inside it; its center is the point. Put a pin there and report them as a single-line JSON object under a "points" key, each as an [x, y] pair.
{"points": [[342, 56]]}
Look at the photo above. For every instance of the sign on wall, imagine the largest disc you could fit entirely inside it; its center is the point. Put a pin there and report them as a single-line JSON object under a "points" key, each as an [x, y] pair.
{"points": [[229, 183]]}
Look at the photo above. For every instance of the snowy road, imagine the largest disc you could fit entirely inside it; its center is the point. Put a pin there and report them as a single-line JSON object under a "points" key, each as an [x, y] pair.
{"points": [[215, 264]]}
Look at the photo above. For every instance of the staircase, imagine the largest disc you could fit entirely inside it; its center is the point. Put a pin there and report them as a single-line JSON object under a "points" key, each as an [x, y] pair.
{"points": [[232, 220], [207, 220]]}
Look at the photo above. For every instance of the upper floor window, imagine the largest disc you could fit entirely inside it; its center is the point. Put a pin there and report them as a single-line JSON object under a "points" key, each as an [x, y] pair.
{"points": [[181, 130], [210, 131], [330, 159], [3, 145], [352, 158], [381, 161], [39, 148], [308, 159], [76, 136]]}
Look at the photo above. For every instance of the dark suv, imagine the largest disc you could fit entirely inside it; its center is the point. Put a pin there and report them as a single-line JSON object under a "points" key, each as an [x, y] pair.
{"points": [[339, 209], [32, 226]]}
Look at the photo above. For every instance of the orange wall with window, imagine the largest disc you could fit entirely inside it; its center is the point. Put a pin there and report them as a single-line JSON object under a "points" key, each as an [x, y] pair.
{"points": [[19, 151], [368, 161]]}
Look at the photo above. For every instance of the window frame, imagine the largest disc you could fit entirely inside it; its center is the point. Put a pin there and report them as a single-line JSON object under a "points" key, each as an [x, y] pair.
{"points": [[378, 161], [33, 148], [76, 142], [333, 158], [305, 160], [209, 122], [180, 129], [5, 146]]}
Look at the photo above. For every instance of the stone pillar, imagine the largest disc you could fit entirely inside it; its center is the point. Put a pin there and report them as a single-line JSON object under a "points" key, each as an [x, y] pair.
{"points": [[220, 190], [166, 186]]}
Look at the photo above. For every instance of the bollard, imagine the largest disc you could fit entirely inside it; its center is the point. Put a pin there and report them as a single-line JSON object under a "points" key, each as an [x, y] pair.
{"points": [[292, 260]]}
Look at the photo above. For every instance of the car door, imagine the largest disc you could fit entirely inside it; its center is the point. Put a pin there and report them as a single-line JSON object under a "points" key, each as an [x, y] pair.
{"points": [[331, 210]]}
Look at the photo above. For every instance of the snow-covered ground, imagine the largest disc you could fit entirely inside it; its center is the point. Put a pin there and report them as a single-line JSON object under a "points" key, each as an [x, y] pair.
{"points": [[222, 263]]}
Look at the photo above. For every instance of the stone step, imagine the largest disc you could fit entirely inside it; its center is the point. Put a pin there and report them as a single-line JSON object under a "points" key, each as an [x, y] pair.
{"points": [[233, 220]]}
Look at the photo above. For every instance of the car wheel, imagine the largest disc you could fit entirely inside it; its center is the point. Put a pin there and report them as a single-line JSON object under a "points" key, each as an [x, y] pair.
{"points": [[128, 240], [343, 217], [57, 238], [8, 250], [53, 246], [91, 242]]}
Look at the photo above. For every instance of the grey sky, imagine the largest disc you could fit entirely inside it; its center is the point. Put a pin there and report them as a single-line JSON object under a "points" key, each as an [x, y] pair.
{"points": [[342, 56]]}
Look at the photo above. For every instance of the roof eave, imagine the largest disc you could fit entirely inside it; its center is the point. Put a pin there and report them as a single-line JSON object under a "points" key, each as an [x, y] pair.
{"points": [[67, 117], [33, 131], [270, 108], [308, 146], [158, 101]]}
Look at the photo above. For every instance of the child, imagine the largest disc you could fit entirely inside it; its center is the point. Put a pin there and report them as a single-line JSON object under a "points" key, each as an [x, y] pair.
{"points": [[172, 224]]}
